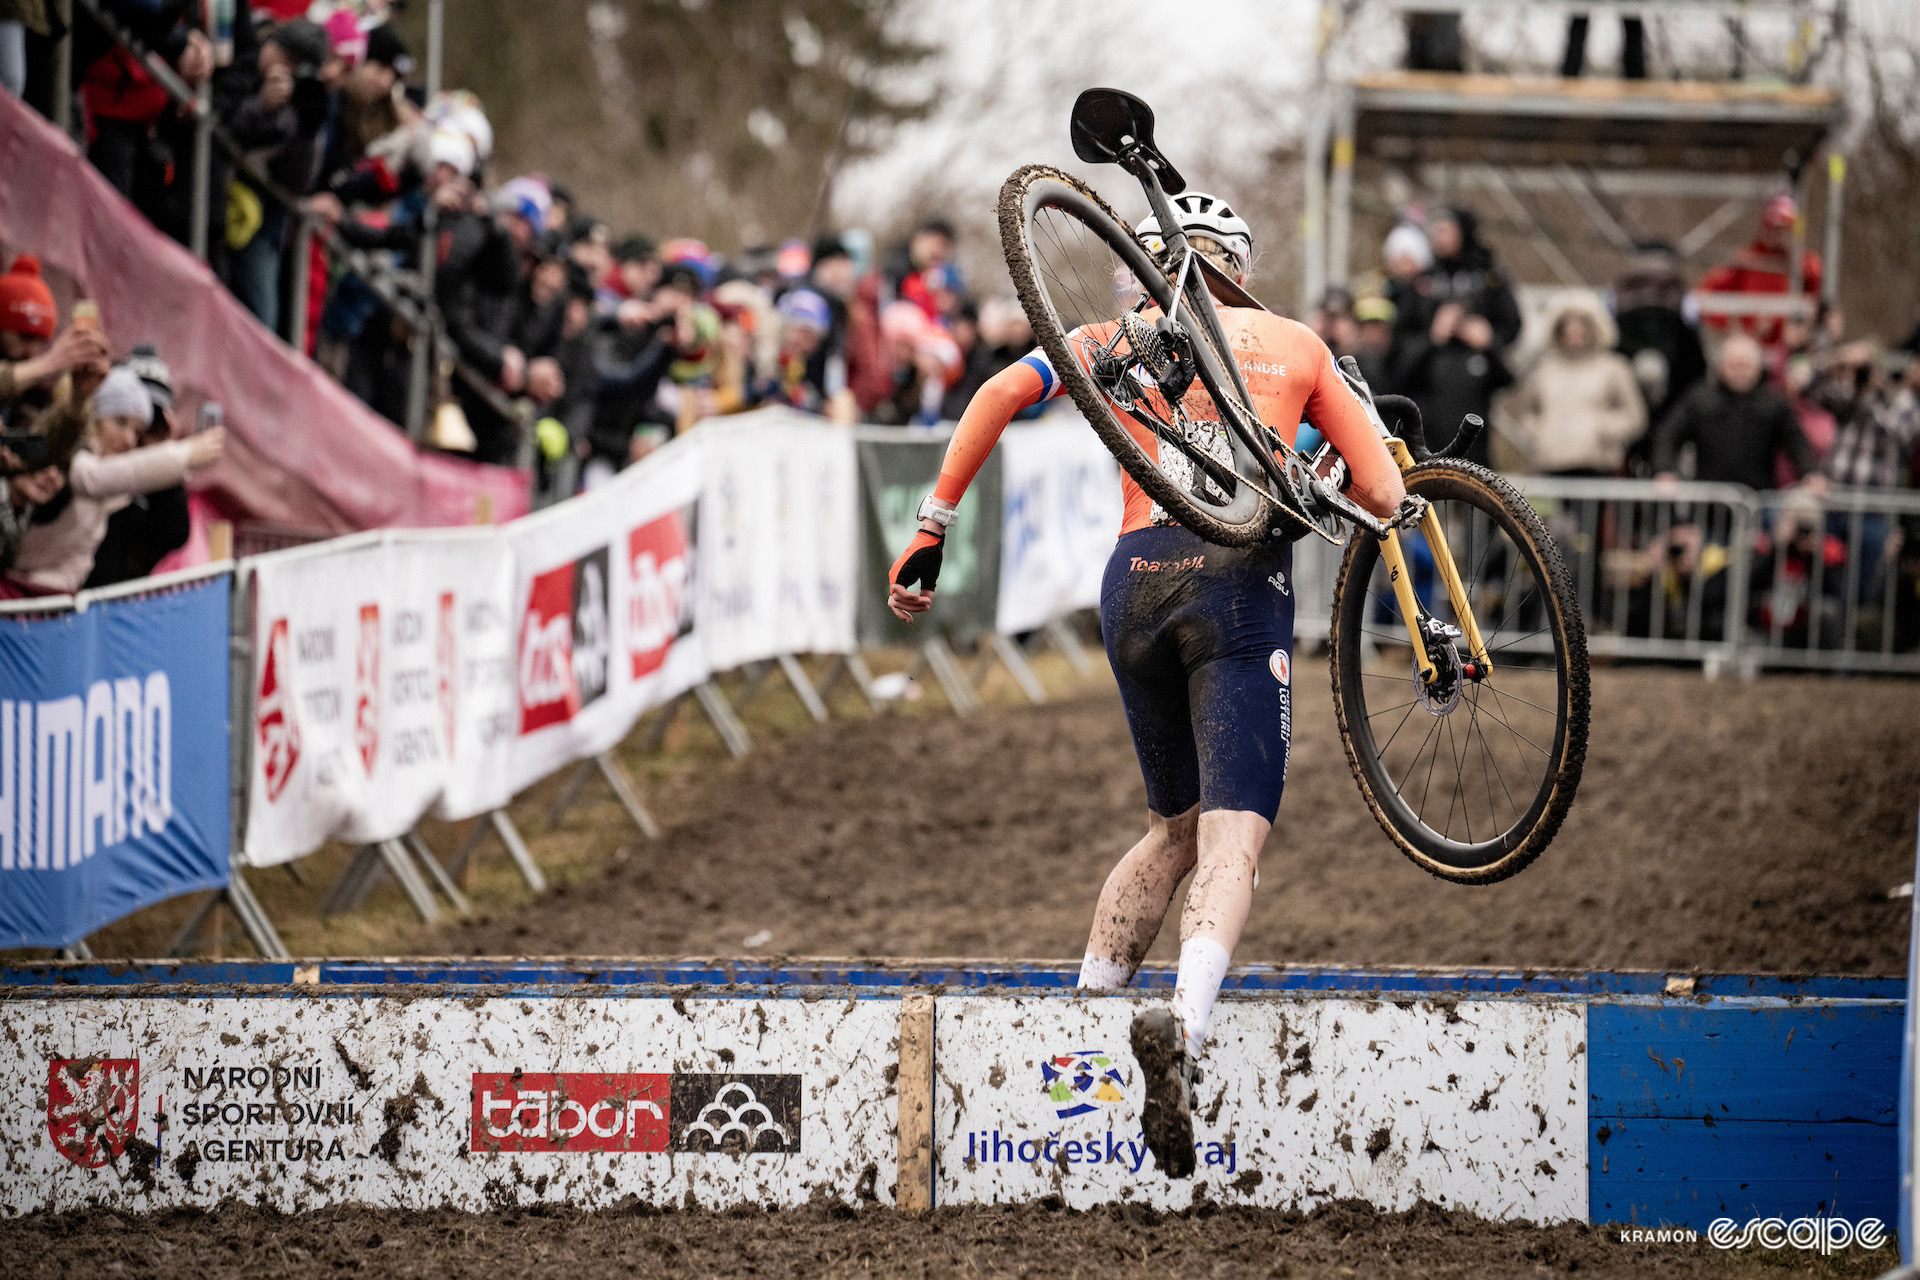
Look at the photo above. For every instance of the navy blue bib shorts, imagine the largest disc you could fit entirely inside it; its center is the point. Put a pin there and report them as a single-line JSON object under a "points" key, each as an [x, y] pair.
{"points": [[1200, 638]]}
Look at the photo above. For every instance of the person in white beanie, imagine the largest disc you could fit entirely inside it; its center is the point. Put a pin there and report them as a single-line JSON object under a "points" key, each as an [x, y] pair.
{"points": [[56, 552], [1406, 252]]}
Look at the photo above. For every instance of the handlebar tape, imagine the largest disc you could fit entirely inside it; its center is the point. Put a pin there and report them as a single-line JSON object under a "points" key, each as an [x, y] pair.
{"points": [[1402, 417]]}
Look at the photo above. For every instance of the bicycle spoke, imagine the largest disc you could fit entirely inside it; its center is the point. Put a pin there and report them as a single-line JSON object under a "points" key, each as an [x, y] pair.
{"points": [[1401, 786], [1474, 726], [1431, 761], [1509, 727], [1396, 730], [1508, 693], [1459, 788]]}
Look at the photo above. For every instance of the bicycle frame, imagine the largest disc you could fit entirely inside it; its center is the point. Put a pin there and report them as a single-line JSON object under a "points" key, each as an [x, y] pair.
{"points": [[1411, 610], [1194, 288]]}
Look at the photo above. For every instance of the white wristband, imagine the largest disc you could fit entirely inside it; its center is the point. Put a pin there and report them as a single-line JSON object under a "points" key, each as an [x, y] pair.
{"points": [[941, 513]]}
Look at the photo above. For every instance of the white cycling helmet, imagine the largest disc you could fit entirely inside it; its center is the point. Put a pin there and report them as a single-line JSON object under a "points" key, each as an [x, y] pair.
{"points": [[1204, 215]]}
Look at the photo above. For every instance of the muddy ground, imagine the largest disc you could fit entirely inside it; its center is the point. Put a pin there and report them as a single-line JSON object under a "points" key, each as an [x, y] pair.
{"points": [[1335, 1242], [1721, 825]]}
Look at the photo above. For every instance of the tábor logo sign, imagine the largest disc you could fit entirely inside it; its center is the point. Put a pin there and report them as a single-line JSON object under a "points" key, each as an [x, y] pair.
{"points": [[92, 1107], [570, 1111], [573, 1111]]}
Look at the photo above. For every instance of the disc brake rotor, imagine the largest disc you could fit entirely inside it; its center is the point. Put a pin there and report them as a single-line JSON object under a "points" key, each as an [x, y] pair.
{"points": [[1441, 694]]}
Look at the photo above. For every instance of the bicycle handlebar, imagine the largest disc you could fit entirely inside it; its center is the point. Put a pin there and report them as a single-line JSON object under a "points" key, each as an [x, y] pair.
{"points": [[1402, 417]]}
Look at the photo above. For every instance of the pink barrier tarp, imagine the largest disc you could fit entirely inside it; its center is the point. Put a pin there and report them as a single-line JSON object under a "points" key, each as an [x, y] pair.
{"points": [[302, 451]]}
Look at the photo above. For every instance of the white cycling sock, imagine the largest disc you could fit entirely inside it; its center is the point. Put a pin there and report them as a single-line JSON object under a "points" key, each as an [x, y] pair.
{"points": [[1097, 973], [1203, 966]]}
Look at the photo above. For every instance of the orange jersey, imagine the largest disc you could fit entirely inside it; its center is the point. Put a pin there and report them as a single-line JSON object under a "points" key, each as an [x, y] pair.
{"points": [[1287, 368]]}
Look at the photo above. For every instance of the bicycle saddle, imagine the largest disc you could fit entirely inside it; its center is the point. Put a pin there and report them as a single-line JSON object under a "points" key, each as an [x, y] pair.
{"points": [[1109, 122]]}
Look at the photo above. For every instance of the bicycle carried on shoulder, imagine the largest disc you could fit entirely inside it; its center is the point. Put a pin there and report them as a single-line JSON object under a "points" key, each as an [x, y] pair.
{"points": [[1459, 659]]}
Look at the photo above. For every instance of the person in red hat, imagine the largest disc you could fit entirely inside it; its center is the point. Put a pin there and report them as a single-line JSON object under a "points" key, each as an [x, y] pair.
{"points": [[1764, 266], [29, 355]]}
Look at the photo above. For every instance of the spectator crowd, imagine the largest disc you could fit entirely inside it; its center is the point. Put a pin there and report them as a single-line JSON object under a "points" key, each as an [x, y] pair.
{"points": [[590, 346], [573, 346], [1621, 385]]}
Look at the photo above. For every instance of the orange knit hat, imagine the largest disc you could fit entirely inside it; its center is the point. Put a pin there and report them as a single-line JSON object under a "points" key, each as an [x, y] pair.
{"points": [[26, 304]]}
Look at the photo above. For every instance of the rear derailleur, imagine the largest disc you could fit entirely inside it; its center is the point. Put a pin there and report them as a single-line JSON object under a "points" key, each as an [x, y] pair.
{"points": [[1160, 353]]}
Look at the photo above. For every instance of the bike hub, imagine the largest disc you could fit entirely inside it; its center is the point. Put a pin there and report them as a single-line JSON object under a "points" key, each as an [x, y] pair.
{"points": [[1451, 672]]}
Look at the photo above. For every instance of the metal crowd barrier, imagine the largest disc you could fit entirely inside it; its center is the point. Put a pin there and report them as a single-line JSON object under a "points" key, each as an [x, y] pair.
{"points": [[1718, 574]]}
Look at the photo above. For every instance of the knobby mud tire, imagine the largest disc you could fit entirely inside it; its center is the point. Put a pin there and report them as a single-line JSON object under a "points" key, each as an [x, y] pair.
{"points": [[1451, 478]]}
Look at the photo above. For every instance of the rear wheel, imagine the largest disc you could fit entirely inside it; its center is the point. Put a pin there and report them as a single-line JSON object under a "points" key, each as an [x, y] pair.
{"points": [[1080, 272], [1470, 777]]}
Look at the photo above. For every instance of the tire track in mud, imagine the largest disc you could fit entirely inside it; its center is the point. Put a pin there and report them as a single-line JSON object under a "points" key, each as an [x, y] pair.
{"points": [[1720, 826]]}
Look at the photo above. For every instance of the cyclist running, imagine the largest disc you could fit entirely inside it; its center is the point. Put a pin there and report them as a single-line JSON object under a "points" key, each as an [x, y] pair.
{"points": [[1200, 638]]}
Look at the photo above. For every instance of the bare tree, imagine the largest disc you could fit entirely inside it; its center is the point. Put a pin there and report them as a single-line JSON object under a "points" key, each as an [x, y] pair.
{"points": [[715, 118]]}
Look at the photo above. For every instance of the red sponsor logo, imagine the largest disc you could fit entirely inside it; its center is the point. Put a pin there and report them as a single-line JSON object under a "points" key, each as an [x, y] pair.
{"points": [[446, 655], [571, 1111], [366, 681], [658, 576], [1281, 666], [547, 692], [274, 718], [92, 1107]]}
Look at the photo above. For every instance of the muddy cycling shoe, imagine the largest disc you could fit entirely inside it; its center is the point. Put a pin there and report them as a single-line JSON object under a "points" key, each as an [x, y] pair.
{"points": [[1169, 1076]]}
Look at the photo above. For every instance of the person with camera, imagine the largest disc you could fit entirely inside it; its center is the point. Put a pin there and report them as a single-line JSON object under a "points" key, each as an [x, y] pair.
{"points": [[279, 125], [102, 476], [151, 525], [1875, 402]]}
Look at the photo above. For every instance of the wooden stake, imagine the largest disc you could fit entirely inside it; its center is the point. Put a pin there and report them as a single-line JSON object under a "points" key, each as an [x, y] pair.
{"points": [[914, 1192]]}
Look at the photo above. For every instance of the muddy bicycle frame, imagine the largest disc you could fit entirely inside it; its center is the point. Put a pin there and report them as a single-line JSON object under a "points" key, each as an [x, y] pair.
{"points": [[1113, 127]]}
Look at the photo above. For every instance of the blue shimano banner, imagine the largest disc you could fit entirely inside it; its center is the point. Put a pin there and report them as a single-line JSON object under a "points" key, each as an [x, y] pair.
{"points": [[113, 760]]}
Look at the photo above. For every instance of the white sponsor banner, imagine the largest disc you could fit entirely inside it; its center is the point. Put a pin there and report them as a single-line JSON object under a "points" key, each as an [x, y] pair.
{"points": [[416, 1102], [604, 595], [378, 688], [406, 673], [1060, 513], [779, 537], [1477, 1105]]}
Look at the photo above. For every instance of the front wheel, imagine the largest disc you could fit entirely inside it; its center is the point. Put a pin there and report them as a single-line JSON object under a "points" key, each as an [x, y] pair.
{"points": [[1470, 773]]}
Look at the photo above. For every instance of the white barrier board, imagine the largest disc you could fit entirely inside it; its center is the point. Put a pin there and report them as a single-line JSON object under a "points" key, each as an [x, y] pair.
{"points": [[383, 687], [1061, 510], [779, 537], [603, 601], [298, 1102], [1479, 1105]]}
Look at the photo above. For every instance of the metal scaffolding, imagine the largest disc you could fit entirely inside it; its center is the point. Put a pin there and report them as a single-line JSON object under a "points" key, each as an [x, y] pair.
{"points": [[1584, 143]]}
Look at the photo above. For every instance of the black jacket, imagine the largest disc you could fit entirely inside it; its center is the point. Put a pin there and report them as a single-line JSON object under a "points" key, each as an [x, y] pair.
{"points": [[1470, 278], [628, 364], [1736, 437], [1665, 330], [139, 536], [1449, 382]]}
